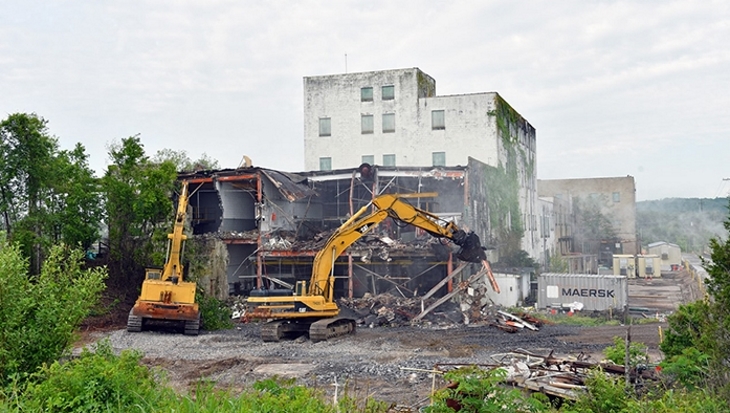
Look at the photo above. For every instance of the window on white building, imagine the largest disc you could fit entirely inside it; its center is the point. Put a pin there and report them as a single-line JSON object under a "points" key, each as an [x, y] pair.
{"points": [[325, 164], [388, 122], [438, 122], [439, 158], [388, 92], [389, 159], [368, 159], [367, 123], [325, 127], [616, 197], [366, 94]]}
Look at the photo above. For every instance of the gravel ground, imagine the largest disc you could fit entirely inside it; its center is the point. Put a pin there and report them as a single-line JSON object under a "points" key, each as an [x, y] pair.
{"points": [[377, 361]]}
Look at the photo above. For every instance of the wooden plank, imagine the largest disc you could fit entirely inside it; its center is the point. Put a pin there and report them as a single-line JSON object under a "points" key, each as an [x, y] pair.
{"points": [[441, 283], [445, 298]]}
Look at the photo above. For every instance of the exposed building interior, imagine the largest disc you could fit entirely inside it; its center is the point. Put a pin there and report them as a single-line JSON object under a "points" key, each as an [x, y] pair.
{"points": [[272, 223]]}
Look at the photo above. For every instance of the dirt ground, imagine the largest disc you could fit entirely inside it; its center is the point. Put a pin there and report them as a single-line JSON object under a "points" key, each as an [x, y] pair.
{"points": [[388, 363]]}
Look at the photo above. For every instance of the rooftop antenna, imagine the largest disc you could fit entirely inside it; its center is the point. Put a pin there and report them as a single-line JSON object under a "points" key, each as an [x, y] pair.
{"points": [[345, 62]]}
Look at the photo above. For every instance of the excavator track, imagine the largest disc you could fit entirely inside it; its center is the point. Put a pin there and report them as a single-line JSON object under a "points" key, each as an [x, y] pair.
{"points": [[134, 323], [274, 331], [325, 329], [192, 327]]}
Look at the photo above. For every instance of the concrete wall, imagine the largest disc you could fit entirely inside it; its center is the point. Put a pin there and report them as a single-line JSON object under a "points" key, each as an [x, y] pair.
{"points": [[616, 197], [514, 289], [480, 125]]}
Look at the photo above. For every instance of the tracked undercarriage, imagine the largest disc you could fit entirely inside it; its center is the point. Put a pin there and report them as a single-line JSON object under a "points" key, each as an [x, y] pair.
{"points": [[316, 328]]}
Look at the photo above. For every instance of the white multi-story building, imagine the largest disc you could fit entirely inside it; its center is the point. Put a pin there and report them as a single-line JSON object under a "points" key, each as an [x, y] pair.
{"points": [[395, 118]]}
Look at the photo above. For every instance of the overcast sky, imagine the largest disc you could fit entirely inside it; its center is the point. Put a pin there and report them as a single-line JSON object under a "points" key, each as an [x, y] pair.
{"points": [[637, 88]]}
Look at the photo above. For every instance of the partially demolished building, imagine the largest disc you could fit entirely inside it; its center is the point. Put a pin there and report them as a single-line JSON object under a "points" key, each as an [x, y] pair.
{"points": [[256, 226]]}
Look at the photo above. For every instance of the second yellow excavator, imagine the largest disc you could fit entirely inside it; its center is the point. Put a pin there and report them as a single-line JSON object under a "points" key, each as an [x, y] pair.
{"points": [[311, 308]]}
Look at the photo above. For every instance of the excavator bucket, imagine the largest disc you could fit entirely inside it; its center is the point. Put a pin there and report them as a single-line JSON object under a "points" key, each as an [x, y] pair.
{"points": [[471, 248]]}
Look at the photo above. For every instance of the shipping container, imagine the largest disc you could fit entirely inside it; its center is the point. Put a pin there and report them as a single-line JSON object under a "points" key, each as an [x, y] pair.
{"points": [[594, 292]]}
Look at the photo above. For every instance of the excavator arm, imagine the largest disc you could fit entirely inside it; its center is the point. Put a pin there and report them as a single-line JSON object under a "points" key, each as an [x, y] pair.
{"points": [[362, 222], [173, 266]]}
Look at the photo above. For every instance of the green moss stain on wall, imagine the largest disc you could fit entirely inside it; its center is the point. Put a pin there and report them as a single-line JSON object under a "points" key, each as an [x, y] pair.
{"points": [[503, 181], [426, 88]]}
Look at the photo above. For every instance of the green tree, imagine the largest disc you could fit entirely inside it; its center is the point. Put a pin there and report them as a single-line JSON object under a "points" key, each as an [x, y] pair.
{"points": [[39, 314], [592, 224], [138, 210], [716, 334], [46, 195], [182, 161]]}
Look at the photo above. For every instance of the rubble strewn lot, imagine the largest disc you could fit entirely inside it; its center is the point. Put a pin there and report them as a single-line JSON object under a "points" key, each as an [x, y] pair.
{"points": [[386, 357], [379, 360]]}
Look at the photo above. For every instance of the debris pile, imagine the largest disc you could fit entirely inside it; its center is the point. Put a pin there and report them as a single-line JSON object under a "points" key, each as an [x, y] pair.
{"points": [[564, 378], [391, 311]]}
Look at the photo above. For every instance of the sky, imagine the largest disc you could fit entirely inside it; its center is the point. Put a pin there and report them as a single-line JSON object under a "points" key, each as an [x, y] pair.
{"points": [[613, 88]]}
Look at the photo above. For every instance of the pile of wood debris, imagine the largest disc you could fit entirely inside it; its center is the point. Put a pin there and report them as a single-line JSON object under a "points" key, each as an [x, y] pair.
{"points": [[564, 378]]}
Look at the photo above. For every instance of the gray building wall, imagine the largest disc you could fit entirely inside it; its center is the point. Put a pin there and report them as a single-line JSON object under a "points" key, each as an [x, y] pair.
{"points": [[616, 197]]}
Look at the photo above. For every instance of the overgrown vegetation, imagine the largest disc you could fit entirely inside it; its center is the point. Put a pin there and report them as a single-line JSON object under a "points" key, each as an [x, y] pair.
{"points": [[479, 390], [216, 314], [39, 314], [617, 352], [100, 381]]}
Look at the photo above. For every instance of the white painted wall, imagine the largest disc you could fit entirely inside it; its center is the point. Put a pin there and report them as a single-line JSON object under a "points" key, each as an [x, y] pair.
{"points": [[470, 130]]}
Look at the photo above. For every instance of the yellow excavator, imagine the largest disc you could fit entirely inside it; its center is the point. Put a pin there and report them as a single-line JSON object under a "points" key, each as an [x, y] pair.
{"points": [[311, 309], [165, 296]]}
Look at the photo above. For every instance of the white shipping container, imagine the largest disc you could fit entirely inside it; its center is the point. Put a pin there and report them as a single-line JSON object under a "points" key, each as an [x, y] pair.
{"points": [[595, 292]]}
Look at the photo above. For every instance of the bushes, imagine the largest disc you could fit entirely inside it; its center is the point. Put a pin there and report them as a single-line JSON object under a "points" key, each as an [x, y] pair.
{"points": [[216, 315], [39, 314], [94, 382], [478, 390]]}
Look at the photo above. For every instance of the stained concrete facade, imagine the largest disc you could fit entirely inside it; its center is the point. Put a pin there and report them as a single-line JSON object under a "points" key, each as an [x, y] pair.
{"points": [[614, 197], [394, 118]]}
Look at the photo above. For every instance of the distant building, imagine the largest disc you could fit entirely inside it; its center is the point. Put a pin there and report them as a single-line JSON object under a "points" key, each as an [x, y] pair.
{"points": [[670, 254], [393, 118], [609, 209]]}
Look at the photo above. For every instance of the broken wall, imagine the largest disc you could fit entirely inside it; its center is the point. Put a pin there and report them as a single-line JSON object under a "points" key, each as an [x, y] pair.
{"points": [[238, 201], [207, 259]]}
